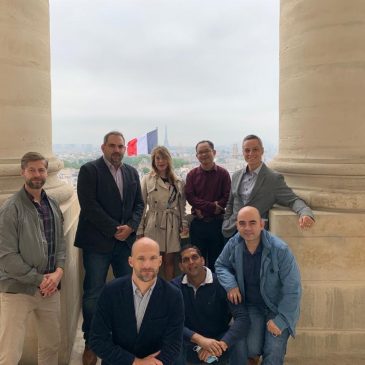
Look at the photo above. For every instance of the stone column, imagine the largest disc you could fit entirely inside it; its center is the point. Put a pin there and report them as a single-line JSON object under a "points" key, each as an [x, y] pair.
{"points": [[322, 108], [25, 125], [322, 155], [25, 94]]}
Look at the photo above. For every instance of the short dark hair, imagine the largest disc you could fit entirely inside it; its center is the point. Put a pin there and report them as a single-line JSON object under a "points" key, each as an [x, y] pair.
{"points": [[187, 247], [113, 133], [253, 136], [211, 144], [32, 156]]}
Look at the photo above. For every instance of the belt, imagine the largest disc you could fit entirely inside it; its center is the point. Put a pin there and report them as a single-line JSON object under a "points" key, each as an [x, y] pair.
{"points": [[209, 219]]}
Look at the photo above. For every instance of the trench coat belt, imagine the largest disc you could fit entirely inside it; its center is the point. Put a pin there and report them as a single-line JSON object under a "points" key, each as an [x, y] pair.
{"points": [[167, 216]]}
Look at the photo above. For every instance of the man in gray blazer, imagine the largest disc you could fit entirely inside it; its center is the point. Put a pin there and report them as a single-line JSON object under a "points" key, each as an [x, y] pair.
{"points": [[259, 186]]}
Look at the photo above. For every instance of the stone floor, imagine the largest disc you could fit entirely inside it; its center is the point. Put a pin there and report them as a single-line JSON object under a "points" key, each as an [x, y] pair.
{"points": [[78, 347]]}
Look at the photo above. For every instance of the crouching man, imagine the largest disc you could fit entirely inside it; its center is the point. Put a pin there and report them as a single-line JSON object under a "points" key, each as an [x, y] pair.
{"points": [[139, 318], [208, 335]]}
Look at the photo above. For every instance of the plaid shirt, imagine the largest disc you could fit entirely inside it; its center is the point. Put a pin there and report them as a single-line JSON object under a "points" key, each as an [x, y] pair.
{"points": [[48, 228]]}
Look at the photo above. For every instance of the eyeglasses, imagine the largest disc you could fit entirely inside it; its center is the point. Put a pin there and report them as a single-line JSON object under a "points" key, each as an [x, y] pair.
{"points": [[204, 152]]}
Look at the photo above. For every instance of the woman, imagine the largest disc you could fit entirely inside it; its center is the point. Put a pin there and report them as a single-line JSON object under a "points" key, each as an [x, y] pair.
{"points": [[164, 215]]}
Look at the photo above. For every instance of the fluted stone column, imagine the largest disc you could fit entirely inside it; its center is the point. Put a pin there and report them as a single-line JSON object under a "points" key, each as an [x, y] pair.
{"points": [[322, 102], [25, 125], [25, 93], [322, 155]]}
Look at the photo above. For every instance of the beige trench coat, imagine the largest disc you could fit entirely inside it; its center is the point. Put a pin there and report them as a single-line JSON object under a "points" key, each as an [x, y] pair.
{"points": [[160, 222]]}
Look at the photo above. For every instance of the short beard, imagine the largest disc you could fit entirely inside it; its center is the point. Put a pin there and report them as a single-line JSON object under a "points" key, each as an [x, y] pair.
{"points": [[147, 278], [116, 162], [35, 185]]}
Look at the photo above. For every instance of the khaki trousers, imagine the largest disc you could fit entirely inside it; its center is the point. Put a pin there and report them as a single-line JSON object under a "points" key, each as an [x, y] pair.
{"points": [[14, 312]]}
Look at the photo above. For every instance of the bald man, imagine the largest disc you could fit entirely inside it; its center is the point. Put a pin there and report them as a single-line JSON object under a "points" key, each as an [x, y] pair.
{"points": [[139, 318], [258, 268]]}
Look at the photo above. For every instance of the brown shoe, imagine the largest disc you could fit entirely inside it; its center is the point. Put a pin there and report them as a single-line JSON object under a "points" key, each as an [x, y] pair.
{"points": [[89, 357], [253, 360]]}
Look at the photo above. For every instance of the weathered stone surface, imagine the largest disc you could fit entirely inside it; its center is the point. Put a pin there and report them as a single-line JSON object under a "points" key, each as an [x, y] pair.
{"points": [[331, 257]]}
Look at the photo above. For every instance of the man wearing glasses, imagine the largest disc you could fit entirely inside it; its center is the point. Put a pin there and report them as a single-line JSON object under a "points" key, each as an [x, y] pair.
{"points": [[259, 186], [207, 191]]}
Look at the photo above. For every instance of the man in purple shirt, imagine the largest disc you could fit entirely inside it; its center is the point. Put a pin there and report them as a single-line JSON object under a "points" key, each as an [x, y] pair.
{"points": [[207, 191]]}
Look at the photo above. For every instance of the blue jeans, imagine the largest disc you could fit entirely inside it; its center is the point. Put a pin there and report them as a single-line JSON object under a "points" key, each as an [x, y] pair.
{"points": [[96, 267], [260, 341]]}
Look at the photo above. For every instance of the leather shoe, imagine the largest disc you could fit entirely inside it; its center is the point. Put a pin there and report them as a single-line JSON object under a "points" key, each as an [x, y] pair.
{"points": [[253, 360], [89, 356]]}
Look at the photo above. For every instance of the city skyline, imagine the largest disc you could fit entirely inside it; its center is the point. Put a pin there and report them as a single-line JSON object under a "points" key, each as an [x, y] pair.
{"points": [[206, 70]]}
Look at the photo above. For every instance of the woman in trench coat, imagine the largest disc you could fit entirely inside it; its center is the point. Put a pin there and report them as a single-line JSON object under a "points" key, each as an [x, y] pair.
{"points": [[164, 216]]}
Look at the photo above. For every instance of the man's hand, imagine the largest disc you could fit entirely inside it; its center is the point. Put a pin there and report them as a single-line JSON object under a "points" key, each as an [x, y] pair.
{"points": [[148, 360], [123, 232], [203, 354], [211, 345], [234, 296], [199, 213], [50, 282], [273, 328], [223, 345], [218, 209], [306, 222]]}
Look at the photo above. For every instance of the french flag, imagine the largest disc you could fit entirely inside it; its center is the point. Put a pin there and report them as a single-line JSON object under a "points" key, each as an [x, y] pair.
{"points": [[142, 145]]}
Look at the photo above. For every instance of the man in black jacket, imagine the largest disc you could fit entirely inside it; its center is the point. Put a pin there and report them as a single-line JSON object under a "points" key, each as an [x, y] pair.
{"points": [[208, 335], [139, 318], [111, 208]]}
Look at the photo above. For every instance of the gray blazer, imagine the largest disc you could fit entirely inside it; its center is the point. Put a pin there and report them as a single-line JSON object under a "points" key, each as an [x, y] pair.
{"points": [[270, 189]]}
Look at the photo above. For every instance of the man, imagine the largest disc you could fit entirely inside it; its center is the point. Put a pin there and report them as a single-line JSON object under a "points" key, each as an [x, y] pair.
{"points": [[257, 268], [207, 191], [207, 313], [111, 208], [258, 186], [32, 260], [139, 318]]}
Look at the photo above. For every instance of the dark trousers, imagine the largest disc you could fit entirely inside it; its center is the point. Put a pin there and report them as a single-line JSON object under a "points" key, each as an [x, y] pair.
{"points": [[96, 267], [209, 238]]}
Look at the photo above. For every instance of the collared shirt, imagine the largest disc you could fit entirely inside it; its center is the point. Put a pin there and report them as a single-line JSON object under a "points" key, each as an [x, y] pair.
{"points": [[251, 274], [117, 175], [141, 302], [48, 228], [204, 187], [248, 183], [208, 280]]}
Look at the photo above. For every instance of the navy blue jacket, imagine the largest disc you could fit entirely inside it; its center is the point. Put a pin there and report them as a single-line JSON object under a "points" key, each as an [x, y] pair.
{"points": [[102, 208], [208, 313], [113, 334]]}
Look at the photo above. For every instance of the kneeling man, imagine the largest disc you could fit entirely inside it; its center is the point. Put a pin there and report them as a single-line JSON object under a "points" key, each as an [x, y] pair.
{"points": [[207, 332], [258, 268], [139, 318]]}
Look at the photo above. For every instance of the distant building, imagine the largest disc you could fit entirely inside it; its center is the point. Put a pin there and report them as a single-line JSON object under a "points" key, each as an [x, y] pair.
{"points": [[166, 142], [235, 153]]}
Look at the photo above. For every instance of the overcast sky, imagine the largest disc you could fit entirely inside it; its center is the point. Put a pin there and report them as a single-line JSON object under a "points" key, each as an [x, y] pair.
{"points": [[207, 69]]}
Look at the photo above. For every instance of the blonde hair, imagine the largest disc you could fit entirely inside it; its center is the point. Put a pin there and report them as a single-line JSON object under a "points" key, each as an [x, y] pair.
{"points": [[165, 154]]}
